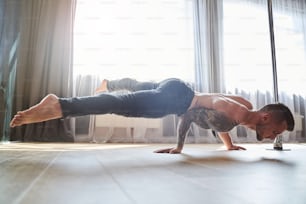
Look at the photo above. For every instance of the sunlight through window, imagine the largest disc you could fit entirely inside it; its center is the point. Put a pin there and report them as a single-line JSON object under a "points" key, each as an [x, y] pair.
{"points": [[247, 50], [145, 40]]}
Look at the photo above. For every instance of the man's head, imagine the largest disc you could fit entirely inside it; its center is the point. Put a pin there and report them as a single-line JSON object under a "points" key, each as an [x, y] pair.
{"points": [[275, 118]]}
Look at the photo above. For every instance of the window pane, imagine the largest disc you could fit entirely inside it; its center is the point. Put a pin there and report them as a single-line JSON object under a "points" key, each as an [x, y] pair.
{"points": [[146, 40], [289, 21], [247, 50]]}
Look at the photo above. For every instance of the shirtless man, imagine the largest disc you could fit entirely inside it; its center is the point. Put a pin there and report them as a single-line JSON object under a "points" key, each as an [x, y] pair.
{"points": [[219, 112]]}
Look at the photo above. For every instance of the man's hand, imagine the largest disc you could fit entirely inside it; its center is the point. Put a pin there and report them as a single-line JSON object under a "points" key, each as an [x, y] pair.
{"points": [[226, 139], [234, 147], [169, 150]]}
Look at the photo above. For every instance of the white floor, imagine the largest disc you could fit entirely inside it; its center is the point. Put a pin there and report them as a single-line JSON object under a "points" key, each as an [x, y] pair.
{"points": [[126, 173]]}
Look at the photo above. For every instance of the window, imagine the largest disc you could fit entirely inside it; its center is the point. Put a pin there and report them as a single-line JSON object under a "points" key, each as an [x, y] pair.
{"points": [[290, 50], [143, 39], [247, 50]]}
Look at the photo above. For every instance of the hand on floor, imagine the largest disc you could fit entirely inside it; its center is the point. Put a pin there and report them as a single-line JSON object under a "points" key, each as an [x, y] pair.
{"points": [[234, 147], [169, 150]]}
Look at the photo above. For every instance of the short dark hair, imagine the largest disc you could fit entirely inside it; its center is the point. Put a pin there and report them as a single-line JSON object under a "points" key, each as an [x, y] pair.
{"points": [[280, 112]]}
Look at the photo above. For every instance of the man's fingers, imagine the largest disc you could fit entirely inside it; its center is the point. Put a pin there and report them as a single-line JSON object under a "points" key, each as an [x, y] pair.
{"points": [[169, 150], [163, 150], [237, 148]]}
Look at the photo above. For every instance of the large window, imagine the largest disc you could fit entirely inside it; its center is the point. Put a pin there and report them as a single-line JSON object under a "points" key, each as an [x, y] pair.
{"points": [[290, 22], [146, 40], [247, 51]]}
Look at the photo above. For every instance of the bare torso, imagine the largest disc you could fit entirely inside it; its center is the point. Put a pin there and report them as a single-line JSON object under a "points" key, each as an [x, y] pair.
{"points": [[218, 112], [233, 107]]}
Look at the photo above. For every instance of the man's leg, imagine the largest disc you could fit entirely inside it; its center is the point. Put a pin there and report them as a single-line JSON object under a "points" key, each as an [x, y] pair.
{"points": [[49, 108], [52, 107], [171, 97], [136, 104], [125, 84]]}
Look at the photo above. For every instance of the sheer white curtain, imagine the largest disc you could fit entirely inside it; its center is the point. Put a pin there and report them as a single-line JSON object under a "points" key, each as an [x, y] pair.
{"points": [[247, 55], [208, 31]]}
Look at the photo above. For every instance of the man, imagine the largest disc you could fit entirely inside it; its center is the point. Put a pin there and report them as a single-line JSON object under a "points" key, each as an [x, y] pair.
{"points": [[218, 112]]}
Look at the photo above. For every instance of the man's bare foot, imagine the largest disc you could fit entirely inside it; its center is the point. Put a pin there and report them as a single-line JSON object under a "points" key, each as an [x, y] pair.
{"points": [[102, 87], [49, 108]]}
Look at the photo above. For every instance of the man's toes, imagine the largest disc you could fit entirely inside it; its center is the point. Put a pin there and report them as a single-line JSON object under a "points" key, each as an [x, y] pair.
{"points": [[16, 120], [13, 123]]}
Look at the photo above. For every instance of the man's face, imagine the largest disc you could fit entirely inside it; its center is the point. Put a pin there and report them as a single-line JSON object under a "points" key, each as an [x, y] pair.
{"points": [[270, 129]]}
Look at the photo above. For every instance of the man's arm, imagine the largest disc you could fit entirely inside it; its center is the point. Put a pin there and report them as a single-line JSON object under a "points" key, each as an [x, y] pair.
{"points": [[227, 141], [182, 130]]}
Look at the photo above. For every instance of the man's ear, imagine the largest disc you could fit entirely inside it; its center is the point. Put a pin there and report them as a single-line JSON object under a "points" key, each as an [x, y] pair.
{"points": [[266, 117]]}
